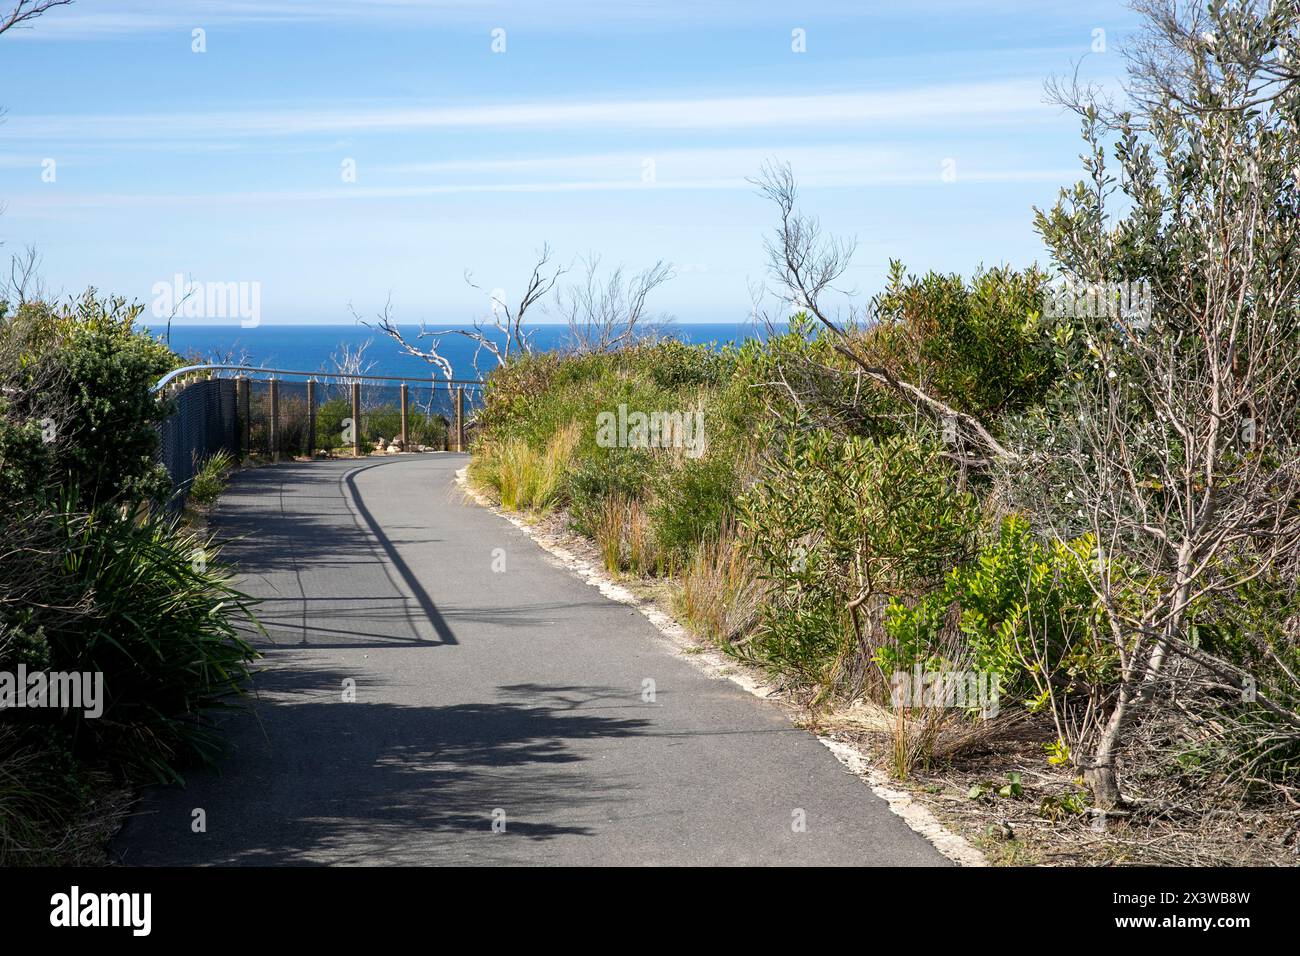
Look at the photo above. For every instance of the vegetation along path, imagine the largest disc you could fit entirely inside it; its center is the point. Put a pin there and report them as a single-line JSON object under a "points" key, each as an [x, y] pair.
{"points": [[502, 708]]}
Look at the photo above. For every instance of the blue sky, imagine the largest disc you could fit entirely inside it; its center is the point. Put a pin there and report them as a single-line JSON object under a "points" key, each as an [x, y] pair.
{"points": [[228, 165]]}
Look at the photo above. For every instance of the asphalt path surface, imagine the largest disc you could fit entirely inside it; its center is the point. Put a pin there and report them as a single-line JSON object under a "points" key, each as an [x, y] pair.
{"points": [[500, 711]]}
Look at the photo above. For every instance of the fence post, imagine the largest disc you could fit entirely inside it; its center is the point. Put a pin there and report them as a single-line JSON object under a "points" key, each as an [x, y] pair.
{"points": [[245, 418], [356, 419], [311, 418], [275, 420], [406, 437], [460, 417]]}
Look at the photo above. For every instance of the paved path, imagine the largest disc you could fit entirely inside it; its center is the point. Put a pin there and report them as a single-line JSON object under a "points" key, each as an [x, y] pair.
{"points": [[477, 692]]}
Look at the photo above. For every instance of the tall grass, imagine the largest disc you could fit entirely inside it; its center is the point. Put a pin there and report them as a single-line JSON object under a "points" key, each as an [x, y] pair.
{"points": [[625, 538], [609, 534], [720, 594], [210, 480], [129, 595], [28, 804], [643, 557], [523, 478], [158, 616]]}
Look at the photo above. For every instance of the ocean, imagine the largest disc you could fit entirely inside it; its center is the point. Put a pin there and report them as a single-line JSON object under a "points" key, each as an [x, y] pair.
{"points": [[311, 348]]}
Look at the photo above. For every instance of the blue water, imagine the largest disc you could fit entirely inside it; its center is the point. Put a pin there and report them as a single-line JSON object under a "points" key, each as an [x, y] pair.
{"points": [[308, 348]]}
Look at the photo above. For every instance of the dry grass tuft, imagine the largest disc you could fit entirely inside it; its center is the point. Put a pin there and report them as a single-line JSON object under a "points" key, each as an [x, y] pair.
{"points": [[720, 594], [522, 478]]}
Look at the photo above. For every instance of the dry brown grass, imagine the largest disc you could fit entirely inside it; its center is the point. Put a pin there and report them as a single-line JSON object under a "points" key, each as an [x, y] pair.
{"points": [[625, 538], [720, 594], [522, 478]]}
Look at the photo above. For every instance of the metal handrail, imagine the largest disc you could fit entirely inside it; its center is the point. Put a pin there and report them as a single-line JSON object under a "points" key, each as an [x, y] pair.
{"points": [[345, 376]]}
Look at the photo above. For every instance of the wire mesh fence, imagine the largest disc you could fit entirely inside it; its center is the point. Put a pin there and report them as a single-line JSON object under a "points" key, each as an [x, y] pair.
{"points": [[205, 421], [296, 418], [269, 417]]}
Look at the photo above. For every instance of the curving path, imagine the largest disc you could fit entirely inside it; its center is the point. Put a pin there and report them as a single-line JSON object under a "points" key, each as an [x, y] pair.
{"points": [[480, 694]]}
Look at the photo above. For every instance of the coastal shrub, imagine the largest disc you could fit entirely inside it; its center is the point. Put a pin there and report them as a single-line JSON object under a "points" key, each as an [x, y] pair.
{"points": [[978, 344], [385, 421], [838, 525], [25, 456], [430, 430], [1027, 613], [147, 605], [512, 390], [293, 425], [802, 381], [329, 424], [82, 375], [595, 479], [691, 502], [1258, 630], [381, 421], [676, 367]]}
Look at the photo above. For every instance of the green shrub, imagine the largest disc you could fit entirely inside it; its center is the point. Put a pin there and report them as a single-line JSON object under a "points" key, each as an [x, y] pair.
{"points": [[613, 473], [978, 345], [512, 390], [385, 421], [677, 367], [838, 522], [831, 394], [1027, 613], [1258, 630], [692, 502], [329, 423], [428, 430], [381, 421], [25, 456], [293, 425], [159, 618], [86, 372]]}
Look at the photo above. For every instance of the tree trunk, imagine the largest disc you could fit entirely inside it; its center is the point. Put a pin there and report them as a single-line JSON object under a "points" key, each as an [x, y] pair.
{"points": [[1103, 782], [1100, 775]]}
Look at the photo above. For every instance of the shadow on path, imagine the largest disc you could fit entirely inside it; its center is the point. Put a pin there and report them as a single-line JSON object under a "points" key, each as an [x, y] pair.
{"points": [[321, 533], [317, 780]]}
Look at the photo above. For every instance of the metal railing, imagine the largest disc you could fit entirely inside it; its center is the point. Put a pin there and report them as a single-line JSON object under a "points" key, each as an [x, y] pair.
{"points": [[266, 415], [208, 371]]}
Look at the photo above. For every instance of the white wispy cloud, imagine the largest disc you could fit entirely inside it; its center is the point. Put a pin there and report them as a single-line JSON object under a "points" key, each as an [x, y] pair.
{"points": [[824, 163], [1017, 100], [91, 21], [35, 203]]}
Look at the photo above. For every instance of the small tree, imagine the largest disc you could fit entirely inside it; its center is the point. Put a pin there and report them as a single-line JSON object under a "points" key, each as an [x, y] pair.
{"points": [[605, 315], [503, 336], [806, 264], [1177, 441], [1174, 437]]}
